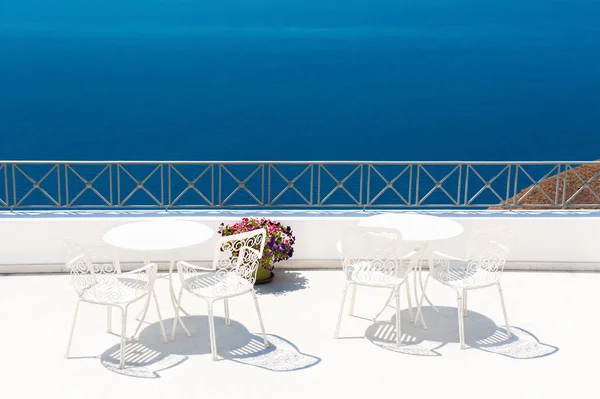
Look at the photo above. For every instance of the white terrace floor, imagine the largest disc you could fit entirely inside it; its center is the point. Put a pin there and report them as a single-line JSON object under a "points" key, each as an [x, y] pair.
{"points": [[554, 315]]}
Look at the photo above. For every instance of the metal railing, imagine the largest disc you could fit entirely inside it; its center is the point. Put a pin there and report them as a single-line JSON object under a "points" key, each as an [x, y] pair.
{"points": [[301, 184]]}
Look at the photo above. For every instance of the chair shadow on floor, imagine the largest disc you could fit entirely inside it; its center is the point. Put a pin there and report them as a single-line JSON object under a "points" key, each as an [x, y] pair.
{"points": [[284, 281], [147, 355], [480, 333]]}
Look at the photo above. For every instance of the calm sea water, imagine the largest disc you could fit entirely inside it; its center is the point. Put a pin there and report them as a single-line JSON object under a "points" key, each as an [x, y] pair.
{"points": [[300, 80]]}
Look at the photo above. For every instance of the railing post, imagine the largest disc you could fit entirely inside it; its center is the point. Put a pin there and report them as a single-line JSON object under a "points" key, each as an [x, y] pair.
{"points": [[565, 185], [220, 184], [368, 202], [14, 181], [110, 184], [118, 185], [6, 192], [459, 187], [312, 184], [212, 183], [466, 188], [417, 184], [269, 185], [162, 187], [319, 185], [508, 175], [516, 187], [410, 183], [67, 196], [262, 184], [59, 185], [556, 191], [360, 192]]}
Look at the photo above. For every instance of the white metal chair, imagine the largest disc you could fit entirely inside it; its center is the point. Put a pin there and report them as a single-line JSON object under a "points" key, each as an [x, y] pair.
{"points": [[483, 267], [233, 273], [97, 278], [406, 257], [372, 257]]}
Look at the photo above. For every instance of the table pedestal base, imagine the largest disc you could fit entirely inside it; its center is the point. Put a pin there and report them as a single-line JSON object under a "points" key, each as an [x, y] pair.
{"points": [[142, 316], [416, 266]]}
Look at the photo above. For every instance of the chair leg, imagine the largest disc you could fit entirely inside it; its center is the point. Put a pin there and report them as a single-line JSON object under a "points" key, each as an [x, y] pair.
{"points": [[211, 327], [109, 319], [226, 304], [385, 305], [178, 318], [352, 299], [398, 322], [123, 336], [142, 316], [415, 289], [504, 310], [72, 330], [339, 321], [461, 325], [262, 326], [420, 304], [425, 293], [410, 309], [465, 303], [160, 320]]}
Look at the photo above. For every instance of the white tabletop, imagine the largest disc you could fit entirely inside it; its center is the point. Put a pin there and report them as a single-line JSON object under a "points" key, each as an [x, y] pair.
{"points": [[415, 227], [157, 235]]}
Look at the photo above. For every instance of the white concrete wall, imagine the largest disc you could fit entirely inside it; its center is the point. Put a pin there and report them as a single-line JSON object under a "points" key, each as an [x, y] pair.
{"points": [[34, 244]]}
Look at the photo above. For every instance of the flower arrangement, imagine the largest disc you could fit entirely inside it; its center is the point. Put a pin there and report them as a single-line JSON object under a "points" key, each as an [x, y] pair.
{"points": [[280, 239]]}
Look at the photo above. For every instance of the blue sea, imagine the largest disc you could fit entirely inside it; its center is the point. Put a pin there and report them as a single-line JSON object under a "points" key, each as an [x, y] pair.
{"points": [[300, 79]]}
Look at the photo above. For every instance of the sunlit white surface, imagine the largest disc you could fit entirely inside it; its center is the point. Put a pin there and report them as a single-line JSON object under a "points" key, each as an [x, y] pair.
{"points": [[157, 235], [300, 307], [416, 227]]}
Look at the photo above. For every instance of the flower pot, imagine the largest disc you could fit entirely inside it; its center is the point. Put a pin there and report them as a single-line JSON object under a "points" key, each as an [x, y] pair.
{"points": [[263, 275], [277, 245]]}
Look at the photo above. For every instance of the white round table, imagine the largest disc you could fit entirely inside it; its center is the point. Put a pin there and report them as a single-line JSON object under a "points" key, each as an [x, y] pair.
{"points": [[420, 229], [159, 235]]}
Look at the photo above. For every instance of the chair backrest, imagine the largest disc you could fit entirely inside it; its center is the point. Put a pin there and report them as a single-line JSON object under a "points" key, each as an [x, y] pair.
{"points": [[503, 235], [373, 255], [247, 265], [239, 252], [487, 254], [91, 264]]}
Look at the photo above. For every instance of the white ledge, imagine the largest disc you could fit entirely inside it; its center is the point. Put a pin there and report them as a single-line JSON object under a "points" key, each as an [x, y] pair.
{"points": [[547, 240]]}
